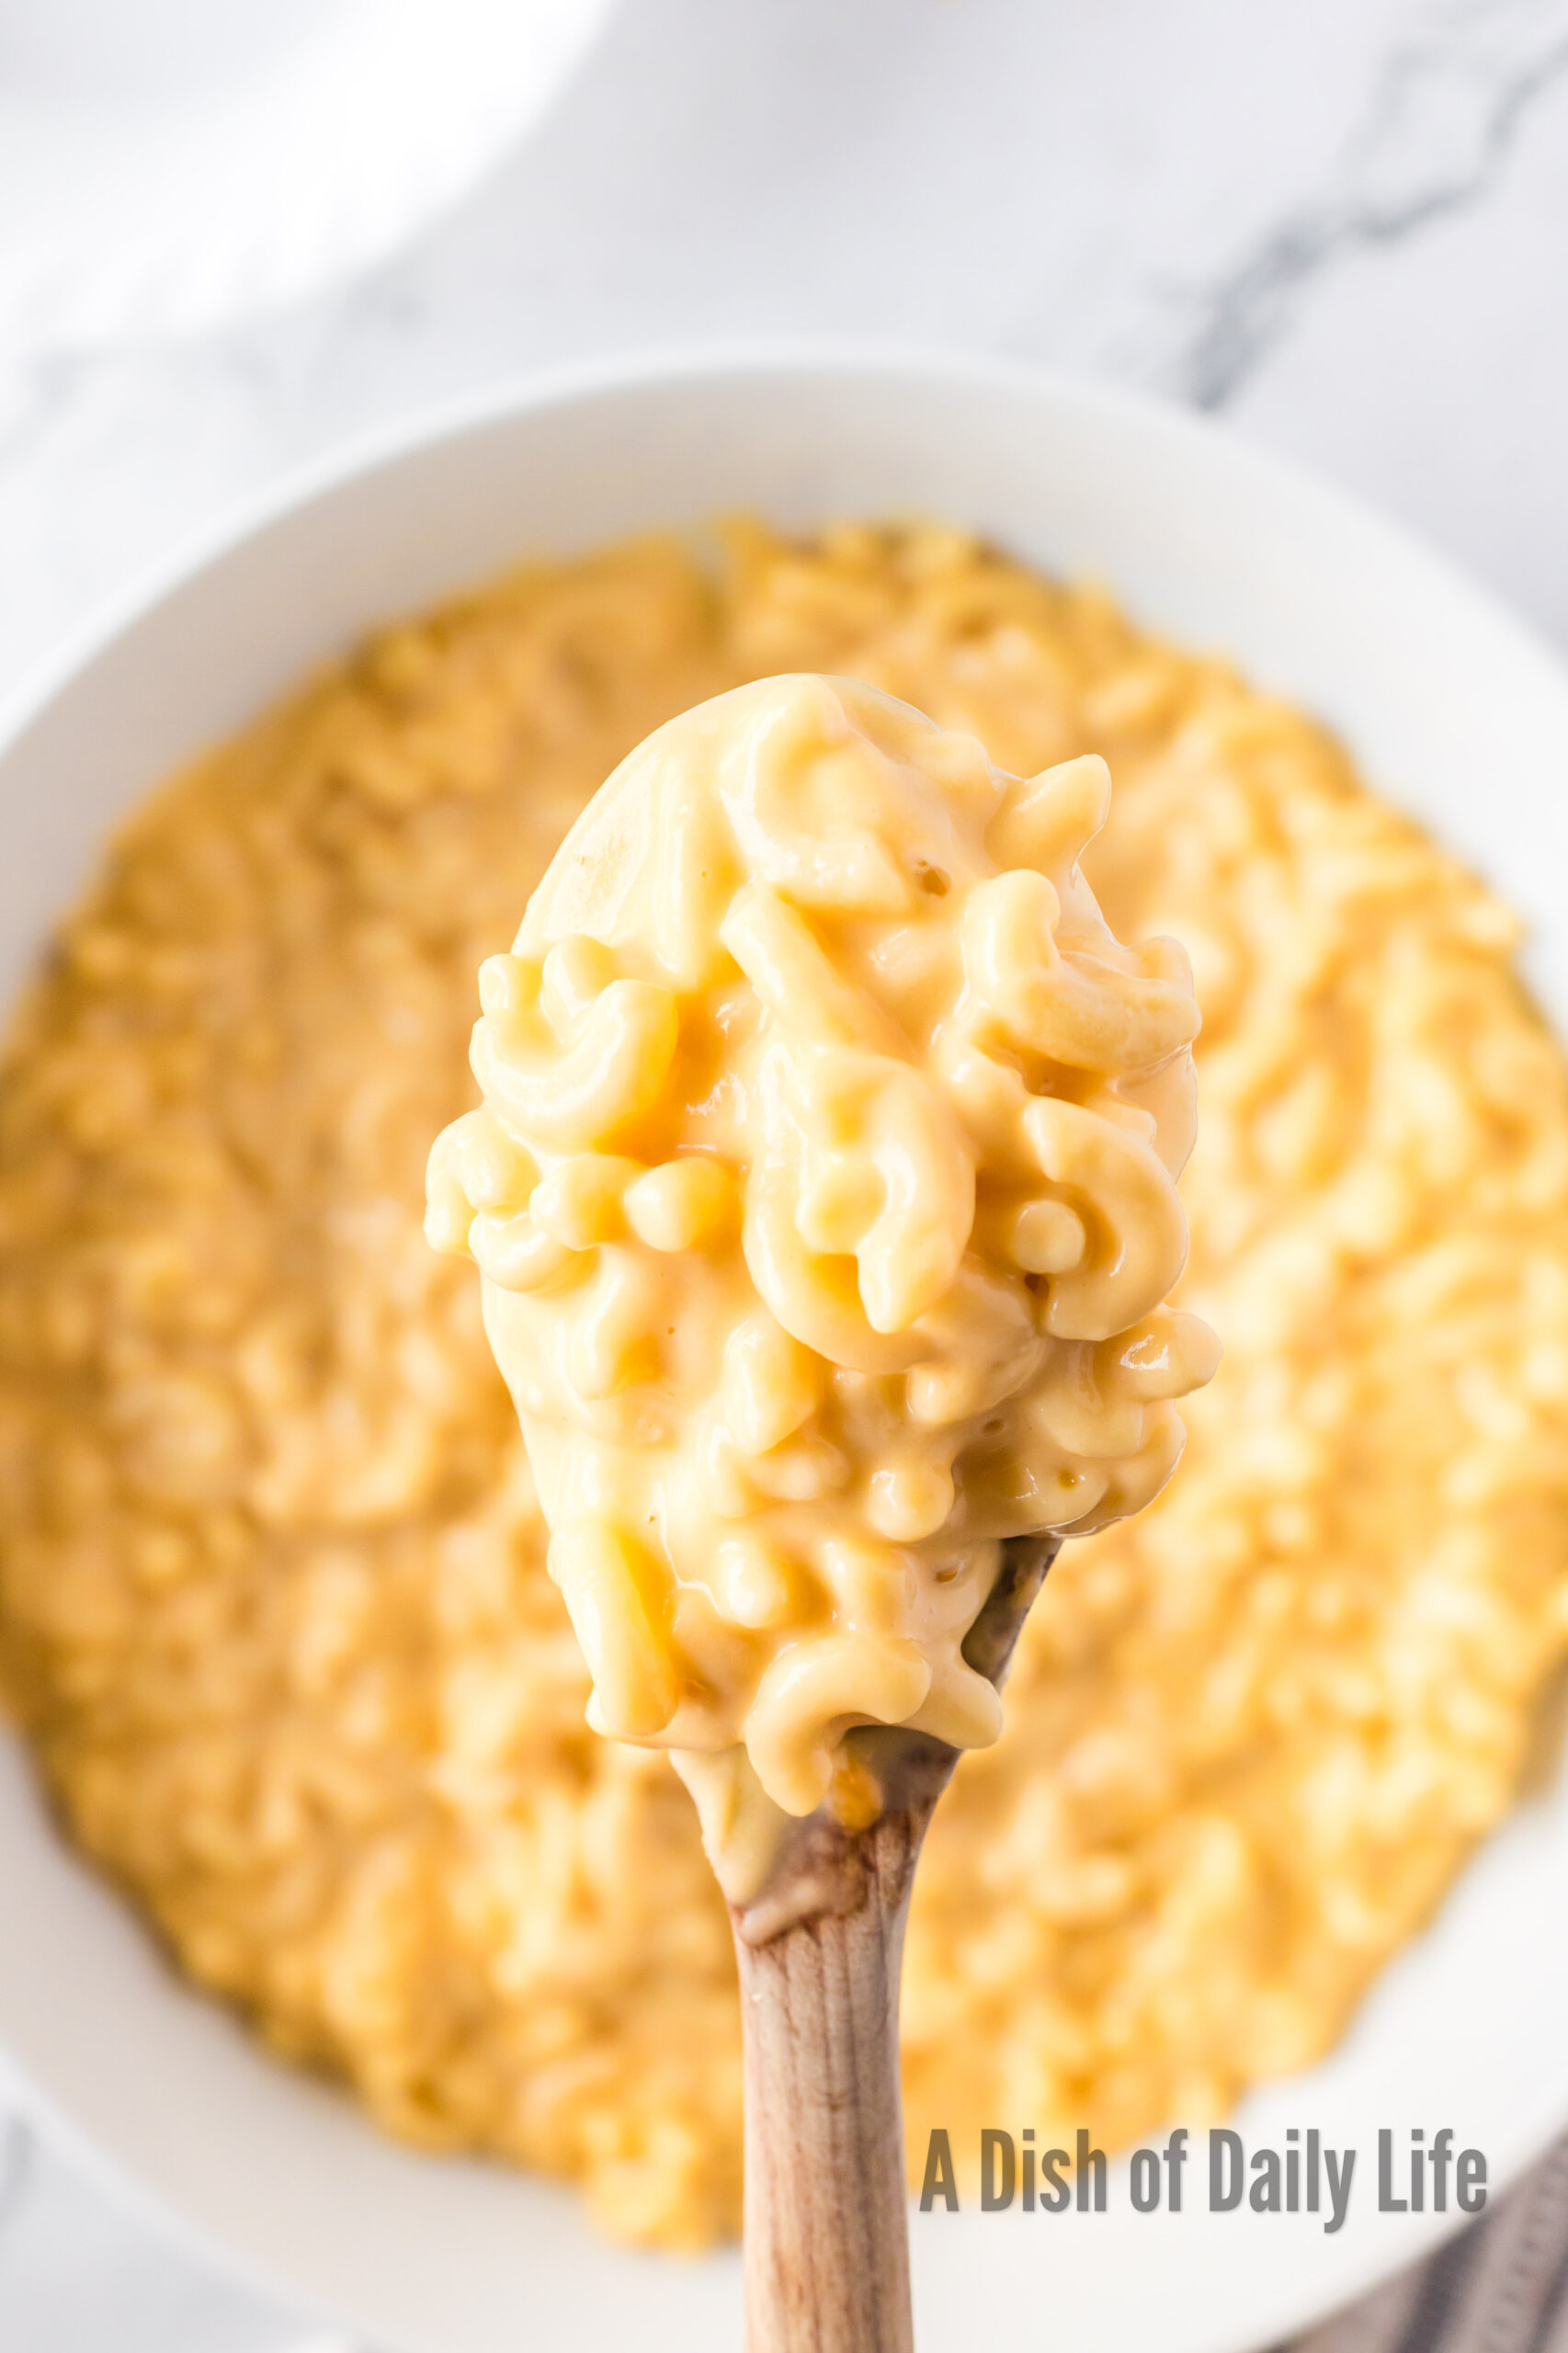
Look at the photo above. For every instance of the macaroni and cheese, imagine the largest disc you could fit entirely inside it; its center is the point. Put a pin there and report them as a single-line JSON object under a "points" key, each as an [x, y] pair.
{"points": [[274, 1608], [824, 1192]]}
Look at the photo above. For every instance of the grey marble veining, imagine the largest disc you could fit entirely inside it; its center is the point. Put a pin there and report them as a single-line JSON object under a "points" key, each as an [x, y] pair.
{"points": [[1449, 102], [1343, 223]]}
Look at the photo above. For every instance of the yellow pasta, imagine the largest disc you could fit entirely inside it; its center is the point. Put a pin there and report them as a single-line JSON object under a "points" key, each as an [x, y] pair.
{"points": [[274, 1608], [789, 1069]]}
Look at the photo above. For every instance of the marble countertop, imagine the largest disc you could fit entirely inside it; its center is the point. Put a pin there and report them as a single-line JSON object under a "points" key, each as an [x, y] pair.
{"points": [[1342, 224]]}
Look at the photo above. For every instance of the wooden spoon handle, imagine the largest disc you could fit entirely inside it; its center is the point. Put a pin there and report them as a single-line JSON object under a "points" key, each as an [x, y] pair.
{"points": [[819, 1948], [826, 2239]]}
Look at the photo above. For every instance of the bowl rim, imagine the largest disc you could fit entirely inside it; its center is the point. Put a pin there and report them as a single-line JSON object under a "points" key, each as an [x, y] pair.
{"points": [[357, 454]]}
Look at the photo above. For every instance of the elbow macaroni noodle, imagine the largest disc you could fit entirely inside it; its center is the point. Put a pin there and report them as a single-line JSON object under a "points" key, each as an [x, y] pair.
{"points": [[825, 1193]]}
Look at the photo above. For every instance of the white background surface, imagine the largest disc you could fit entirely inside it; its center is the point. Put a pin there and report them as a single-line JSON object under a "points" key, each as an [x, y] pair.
{"points": [[1342, 222]]}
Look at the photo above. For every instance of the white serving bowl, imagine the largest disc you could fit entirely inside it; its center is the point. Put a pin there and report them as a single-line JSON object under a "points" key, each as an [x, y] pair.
{"points": [[1452, 711], [170, 166]]}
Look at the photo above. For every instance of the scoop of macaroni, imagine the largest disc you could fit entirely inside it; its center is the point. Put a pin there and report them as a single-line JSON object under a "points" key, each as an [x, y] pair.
{"points": [[823, 1191]]}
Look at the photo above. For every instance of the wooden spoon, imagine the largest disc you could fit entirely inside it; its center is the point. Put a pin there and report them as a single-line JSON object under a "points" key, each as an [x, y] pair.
{"points": [[820, 1949], [840, 1146]]}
